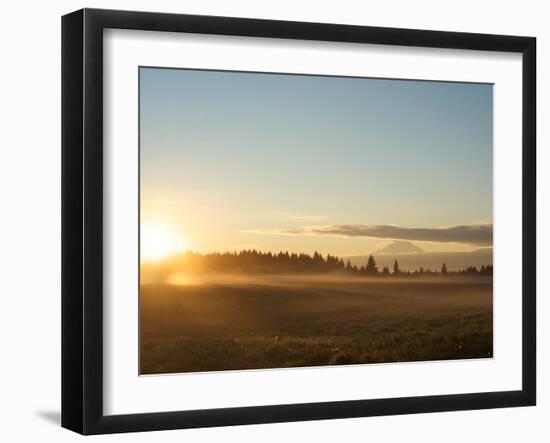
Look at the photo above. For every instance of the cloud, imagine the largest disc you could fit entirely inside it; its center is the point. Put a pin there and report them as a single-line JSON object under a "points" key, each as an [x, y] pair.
{"points": [[474, 234]]}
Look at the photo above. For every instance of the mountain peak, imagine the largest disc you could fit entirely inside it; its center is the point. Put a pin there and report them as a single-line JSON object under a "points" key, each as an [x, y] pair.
{"points": [[399, 247]]}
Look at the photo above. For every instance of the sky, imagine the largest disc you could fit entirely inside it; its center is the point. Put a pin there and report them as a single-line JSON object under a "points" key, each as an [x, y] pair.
{"points": [[345, 166]]}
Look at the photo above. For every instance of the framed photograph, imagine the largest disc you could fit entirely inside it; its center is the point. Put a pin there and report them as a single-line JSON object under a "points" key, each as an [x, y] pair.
{"points": [[268, 221]]}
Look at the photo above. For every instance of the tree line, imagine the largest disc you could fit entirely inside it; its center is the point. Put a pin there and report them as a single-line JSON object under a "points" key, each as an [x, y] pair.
{"points": [[256, 262]]}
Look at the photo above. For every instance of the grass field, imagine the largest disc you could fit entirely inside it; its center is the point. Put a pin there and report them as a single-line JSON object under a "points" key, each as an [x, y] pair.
{"points": [[275, 322]]}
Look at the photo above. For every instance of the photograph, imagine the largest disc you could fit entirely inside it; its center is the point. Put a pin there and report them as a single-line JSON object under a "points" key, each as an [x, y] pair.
{"points": [[292, 220]]}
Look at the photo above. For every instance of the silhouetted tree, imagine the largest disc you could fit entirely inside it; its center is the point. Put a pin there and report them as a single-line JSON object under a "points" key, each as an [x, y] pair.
{"points": [[257, 262], [486, 270], [371, 268], [396, 270]]}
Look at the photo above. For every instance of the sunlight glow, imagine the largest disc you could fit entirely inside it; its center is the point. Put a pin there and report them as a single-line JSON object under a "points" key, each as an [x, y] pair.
{"points": [[159, 241]]}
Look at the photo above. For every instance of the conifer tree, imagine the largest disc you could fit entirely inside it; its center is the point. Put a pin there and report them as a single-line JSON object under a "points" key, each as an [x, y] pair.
{"points": [[371, 269]]}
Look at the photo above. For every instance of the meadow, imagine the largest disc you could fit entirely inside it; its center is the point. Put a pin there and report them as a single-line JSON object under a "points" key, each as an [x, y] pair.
{"points": [[232, 323]]}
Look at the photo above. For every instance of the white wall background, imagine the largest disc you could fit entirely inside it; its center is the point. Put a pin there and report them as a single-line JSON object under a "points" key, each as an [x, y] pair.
{"points": [[30, 218]]}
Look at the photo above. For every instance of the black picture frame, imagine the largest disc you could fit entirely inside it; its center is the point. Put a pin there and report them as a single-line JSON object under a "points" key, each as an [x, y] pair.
{"points": [[82, 221]]}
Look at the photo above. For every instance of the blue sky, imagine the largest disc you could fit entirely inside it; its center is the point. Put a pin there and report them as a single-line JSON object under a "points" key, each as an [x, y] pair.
{"points": [[234, 160]]}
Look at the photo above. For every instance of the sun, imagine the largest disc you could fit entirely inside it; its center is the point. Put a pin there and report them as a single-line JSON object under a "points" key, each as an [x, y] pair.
{"points": [[159, 241]]}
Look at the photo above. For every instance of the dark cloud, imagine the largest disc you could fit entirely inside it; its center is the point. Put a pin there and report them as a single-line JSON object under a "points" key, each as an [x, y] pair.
{"points": [[478, 234]]}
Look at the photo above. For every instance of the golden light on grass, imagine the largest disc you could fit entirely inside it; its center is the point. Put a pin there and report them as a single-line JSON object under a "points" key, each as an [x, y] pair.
{"points": [[160, 241]]}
